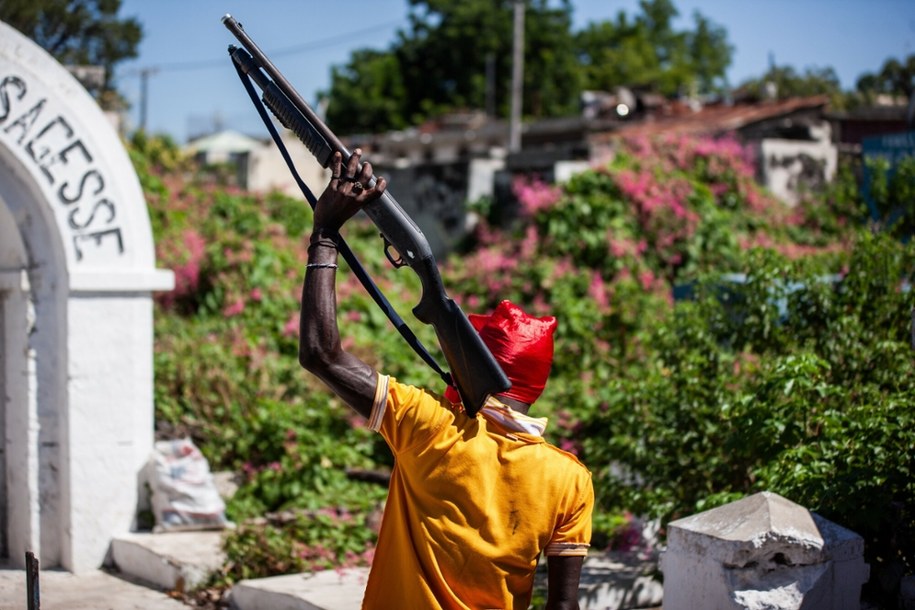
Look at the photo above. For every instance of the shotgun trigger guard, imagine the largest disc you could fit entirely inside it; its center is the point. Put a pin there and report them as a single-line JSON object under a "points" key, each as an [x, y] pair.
{"points": [[397, 262]]}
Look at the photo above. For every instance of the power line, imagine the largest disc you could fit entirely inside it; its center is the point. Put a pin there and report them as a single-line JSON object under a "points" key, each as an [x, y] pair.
{"points": [[182, 66], [186, 66]]}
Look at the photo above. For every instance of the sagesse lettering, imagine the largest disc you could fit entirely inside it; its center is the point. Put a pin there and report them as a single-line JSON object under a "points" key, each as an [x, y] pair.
{"points": [[54, 147], [91, 175], [104, 203], [48, 139], [5, 85]]}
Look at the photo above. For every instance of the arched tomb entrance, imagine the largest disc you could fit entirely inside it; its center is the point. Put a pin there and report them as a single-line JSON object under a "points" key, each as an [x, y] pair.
{"points": [[77, 272]]}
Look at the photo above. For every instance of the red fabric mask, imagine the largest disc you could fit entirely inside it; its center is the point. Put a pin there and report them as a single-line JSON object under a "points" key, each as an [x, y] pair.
{"points": [[522, 345]]}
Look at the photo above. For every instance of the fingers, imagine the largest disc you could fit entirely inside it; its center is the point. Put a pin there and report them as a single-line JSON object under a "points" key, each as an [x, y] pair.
{"points": [[352, 165], [380, 185], [336, 164], [354, 180], [365, 175], [344, 180]]}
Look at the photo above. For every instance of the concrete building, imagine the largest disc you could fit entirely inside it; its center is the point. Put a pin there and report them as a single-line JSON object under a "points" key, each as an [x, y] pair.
{"points": [[257, 164], [433, 170]]}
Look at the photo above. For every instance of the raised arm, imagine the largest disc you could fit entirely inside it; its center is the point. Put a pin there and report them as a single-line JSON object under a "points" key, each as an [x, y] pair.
{"points": [[320, 350]]}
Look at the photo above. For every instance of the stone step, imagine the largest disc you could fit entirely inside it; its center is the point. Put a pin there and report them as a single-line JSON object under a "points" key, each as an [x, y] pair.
{"points": [[620, 581], [610, 581], [92, 590], [174, 561], [181, 561], [326, 590]]}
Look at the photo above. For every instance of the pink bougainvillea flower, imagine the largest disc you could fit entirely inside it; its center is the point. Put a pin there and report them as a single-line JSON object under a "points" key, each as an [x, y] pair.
{"points": [[291, 328], [234, 308], [534, 194]]}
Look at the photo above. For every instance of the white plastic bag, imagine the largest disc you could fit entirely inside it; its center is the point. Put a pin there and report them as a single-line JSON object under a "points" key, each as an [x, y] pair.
{"points": [[184, 496]]}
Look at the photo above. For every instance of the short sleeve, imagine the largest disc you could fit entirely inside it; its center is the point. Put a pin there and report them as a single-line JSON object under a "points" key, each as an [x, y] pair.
{"points": [[572, 537], [405, 415]]}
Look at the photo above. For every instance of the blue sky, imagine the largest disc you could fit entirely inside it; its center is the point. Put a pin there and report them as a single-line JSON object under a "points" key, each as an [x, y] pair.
{"points": [[194, 85]]}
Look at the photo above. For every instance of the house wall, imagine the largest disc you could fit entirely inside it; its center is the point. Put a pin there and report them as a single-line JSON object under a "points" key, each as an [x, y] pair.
{"points": [[267, 171], [792, 167]]}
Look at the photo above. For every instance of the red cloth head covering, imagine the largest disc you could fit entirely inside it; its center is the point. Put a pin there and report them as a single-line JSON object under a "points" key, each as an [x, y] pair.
{"points": [[522, 345]]}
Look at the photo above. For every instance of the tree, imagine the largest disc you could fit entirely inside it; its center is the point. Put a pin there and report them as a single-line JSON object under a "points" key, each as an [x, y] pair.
{"points": [[895, 78], [787, 82], [368, 94], [647, 51], [439, 64], [78, 32], [709, 53]]}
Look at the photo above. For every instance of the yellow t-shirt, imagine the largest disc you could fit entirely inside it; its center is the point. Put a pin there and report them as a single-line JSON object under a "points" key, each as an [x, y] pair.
{"points": [[471, 507]]}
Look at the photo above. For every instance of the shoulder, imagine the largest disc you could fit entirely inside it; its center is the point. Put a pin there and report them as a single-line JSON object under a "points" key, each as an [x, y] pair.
{"points": [[405, 414], [566, 460], [566, 467], [403, 395]]}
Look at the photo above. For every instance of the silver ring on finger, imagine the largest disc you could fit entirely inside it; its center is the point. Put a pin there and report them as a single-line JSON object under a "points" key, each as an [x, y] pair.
{"points": [[357, 187]]}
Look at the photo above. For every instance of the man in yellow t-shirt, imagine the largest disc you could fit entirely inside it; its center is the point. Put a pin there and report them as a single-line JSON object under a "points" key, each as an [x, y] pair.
{"points": [[473, 501]]}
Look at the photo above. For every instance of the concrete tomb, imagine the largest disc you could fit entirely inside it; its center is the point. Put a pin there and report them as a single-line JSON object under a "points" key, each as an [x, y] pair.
{"points": [[77, 272], [759, 553]]}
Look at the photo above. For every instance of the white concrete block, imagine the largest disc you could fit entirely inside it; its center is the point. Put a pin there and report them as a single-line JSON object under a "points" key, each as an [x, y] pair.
{"points": [[175, 561], [325, 590], [762, 552]]}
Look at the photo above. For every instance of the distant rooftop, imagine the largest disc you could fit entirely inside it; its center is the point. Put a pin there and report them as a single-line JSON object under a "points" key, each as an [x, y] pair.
{"points": [[717, 118], [224, 142]]}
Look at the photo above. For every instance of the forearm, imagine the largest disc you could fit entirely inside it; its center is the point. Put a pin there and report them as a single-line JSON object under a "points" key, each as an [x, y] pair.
{"points": [[562, 605], [319, 335], [320, 350], [564, 574]]}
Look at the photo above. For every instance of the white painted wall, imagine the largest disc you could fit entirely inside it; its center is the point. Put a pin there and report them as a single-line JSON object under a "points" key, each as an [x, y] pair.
{"points": [[77, 315], [784, 165], [267, 171], [18, 425], [482, 177]]}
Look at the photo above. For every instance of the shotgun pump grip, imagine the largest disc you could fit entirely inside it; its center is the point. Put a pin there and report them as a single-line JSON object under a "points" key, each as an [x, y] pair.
{"points": [[292, 120]]}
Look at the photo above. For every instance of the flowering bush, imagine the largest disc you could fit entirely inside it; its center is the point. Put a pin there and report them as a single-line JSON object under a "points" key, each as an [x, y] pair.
{"points": [[300, 542], [679, 407], [227, 372]]}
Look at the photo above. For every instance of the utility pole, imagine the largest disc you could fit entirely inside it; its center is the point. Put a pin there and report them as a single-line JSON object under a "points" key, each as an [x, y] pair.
{"points": [[490, 86], [514, 127], [145, 73]]}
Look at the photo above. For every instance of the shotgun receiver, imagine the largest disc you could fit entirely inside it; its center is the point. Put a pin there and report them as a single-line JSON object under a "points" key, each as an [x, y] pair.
{"points": [[474, 371]]}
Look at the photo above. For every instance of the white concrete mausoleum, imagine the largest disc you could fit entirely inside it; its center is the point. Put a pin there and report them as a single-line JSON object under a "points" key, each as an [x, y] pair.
{"points": [[77, 272]]}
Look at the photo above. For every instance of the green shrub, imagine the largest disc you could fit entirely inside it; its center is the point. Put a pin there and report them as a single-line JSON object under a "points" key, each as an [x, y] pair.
{"points": [[812, 401], [891, 191]]}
